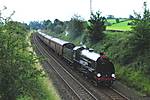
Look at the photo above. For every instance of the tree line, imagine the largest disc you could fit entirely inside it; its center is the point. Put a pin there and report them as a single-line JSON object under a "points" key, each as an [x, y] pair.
{"points": [[75, 27]]}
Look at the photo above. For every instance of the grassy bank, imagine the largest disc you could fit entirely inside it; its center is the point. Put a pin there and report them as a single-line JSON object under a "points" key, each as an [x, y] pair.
{"points": [[47, 89]]}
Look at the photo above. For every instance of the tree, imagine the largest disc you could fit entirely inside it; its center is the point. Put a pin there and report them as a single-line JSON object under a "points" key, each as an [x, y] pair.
{"points": [[131, 17], [140, 40], [117, 20], [4, 19], [96, 27], [110, 17], [57, 26], [47, 24], [36, 25], [75, 26], [141, 30]]}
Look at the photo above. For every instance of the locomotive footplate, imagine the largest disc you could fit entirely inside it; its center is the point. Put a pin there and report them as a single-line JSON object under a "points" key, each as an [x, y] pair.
{"points": [[105, 79]]}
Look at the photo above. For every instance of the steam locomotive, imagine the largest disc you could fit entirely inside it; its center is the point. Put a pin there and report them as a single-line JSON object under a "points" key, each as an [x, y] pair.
{"points": [[100, 70]]}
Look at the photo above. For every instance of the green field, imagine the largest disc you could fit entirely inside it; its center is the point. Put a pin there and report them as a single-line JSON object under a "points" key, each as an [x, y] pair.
{"points": [[111, 21], [123, 26]]}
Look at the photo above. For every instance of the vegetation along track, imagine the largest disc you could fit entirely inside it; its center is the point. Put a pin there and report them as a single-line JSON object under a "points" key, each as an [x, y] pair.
{"points": [[80, 91]]}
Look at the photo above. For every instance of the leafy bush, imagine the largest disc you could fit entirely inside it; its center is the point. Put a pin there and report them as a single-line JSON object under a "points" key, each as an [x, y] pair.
{"points": [[132, 78], [96, 27], [75, 26], [117, 20]]}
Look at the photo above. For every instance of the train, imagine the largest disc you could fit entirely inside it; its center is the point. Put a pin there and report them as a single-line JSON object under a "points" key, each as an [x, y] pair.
{"points": [[95, 67]]}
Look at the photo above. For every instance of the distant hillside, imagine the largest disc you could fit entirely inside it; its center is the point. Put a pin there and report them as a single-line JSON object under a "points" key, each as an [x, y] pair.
{"points": [[122, 25]]}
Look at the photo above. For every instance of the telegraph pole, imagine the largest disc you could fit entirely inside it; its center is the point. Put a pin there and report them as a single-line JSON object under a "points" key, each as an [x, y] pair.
{"points": [[90, 7]]}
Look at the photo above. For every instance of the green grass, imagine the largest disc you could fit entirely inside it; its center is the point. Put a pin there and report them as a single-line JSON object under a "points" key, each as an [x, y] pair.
{"points": [[135, 79], [123, 26], [46, 86], [49, 89]]}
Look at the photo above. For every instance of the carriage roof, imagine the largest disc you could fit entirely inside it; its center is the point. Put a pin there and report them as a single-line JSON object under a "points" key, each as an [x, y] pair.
{"points": [[60, 42], [48, 37], [45, 35]]}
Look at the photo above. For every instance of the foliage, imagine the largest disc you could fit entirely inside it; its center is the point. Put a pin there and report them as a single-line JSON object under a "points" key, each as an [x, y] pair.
{"points": [[141, 31], [136, 79], [75, 26], [117, 20], [96, 27], [57, 26], [47, 24], [131, 17], [140, 39], [4, 19], [18, 76], [36, 25], [110, 17]]}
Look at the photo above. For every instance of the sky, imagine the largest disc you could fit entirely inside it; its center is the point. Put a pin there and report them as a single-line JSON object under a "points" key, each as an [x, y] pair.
{"points": [[38, 10]]}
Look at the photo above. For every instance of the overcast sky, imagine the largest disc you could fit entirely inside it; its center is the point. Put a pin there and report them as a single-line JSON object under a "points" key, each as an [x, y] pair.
{"points": [[27, 10]]}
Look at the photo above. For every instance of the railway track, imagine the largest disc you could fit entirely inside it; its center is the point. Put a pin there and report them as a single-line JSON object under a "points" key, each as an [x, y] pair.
{"points": [[78, 89], [114, 94]]}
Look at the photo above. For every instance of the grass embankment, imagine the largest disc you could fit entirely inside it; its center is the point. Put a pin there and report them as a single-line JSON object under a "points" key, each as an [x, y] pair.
{"points": [[116, 46], [48, 90]]}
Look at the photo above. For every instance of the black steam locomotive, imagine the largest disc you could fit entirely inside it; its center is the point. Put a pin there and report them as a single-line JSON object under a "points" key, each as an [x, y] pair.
{"points": [[94, 66]]}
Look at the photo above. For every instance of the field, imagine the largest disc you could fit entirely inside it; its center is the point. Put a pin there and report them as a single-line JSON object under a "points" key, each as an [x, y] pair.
{"points": [[122, 25]]}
